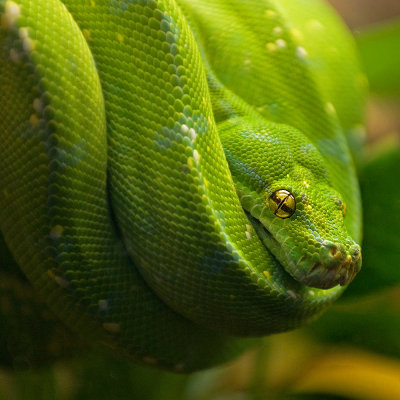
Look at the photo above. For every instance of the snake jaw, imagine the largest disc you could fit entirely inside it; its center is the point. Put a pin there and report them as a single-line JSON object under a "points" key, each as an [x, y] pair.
{"points": [[324, 277], [325, 273], [335, 267]]}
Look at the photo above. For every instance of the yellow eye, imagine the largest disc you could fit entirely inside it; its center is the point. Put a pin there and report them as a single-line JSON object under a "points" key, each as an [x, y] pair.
{"points": [[282, 203], [344, 209]]}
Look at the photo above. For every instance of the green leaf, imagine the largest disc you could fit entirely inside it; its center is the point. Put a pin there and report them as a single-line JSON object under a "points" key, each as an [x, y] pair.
{"points": [[380, 189], [371, 323], [379, 48]]}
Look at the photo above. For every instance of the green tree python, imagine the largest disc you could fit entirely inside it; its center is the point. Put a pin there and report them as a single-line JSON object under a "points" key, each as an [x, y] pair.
{"points": [[175, 175]]}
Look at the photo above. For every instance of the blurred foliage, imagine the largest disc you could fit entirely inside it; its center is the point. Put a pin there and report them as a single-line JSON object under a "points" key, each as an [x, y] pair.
{"points": [[351, 352], [381, 218], [379, 48]]}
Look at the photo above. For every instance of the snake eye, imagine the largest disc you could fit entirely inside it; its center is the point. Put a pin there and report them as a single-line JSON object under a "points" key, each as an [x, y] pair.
{"points": [[282, 203]]}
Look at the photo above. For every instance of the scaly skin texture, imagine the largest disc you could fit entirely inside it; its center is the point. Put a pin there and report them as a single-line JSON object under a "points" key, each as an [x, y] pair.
{"points": [[117, 200]]}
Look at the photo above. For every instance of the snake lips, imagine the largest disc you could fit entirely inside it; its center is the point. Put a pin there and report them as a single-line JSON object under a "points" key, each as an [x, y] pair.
{"points": [[336, 265]]}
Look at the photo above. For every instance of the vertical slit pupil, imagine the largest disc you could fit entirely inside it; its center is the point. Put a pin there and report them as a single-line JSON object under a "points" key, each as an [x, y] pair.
{"points": [[281, 204]]}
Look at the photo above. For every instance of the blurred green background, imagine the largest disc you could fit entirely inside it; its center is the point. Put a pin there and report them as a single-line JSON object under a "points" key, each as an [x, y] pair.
{"points": [[353, 351]]}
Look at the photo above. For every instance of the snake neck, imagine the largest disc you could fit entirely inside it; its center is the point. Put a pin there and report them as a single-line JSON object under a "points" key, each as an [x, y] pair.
{"points": [[225, 103]]}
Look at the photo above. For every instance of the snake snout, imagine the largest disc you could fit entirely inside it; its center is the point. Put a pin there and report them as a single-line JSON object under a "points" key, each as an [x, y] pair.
{"points": [[355, 252], [332, 254], [336, 266]]}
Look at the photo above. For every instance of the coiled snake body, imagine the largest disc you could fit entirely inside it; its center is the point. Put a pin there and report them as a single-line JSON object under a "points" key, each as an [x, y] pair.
{"points": [[116, 197]]}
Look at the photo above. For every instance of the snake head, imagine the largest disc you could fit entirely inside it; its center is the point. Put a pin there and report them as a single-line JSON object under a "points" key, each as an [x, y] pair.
{"points": [[306, 232], [285, 189]]}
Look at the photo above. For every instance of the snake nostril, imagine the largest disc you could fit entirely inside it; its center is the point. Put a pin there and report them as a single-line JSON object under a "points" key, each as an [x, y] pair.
{"points": [[333, 251]]}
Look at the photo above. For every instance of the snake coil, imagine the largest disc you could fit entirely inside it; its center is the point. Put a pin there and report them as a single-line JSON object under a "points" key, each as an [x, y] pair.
{"points": [[116, 198]]}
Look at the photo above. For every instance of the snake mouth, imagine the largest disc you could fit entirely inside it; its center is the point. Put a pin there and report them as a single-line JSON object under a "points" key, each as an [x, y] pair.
{"points": [[336, 266], [322, 276]]}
